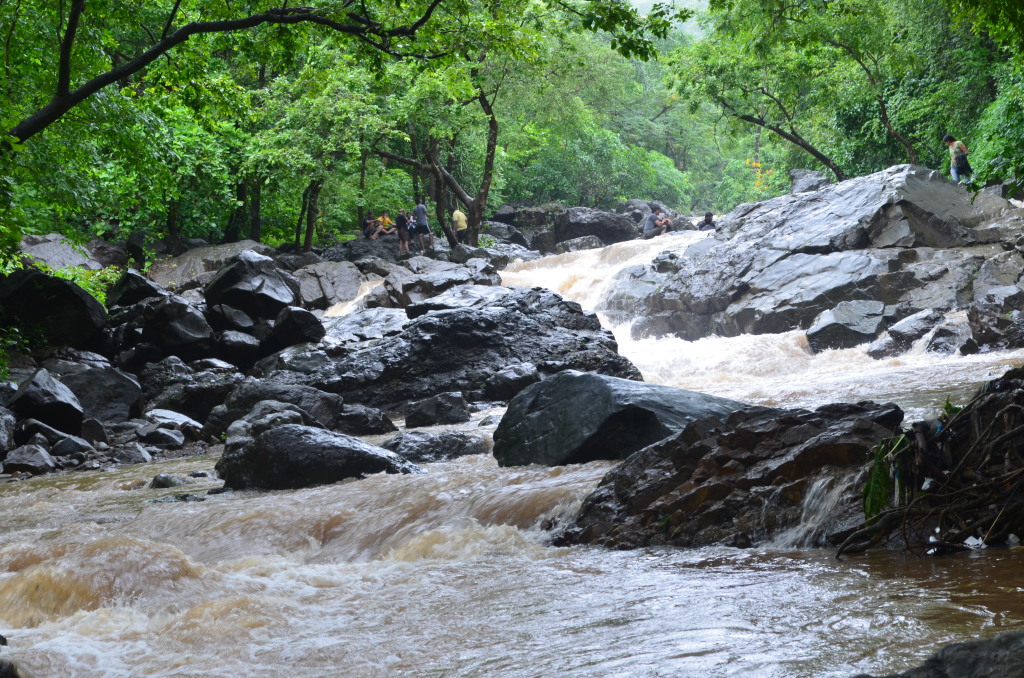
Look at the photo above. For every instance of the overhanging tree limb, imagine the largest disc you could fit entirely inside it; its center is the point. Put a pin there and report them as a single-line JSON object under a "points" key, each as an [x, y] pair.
{"points": [[65, 99]]}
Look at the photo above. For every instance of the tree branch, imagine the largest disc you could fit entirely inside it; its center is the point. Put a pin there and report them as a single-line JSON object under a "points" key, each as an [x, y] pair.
{"points": [[64, 63]]}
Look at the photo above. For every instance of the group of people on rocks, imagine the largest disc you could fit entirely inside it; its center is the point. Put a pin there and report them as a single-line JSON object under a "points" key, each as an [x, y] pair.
{"points": [[406, 225], [409, 224]]}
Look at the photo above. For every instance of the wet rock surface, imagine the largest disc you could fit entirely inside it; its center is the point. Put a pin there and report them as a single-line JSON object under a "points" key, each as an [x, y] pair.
{"points": [[996, 657], [905, 237], [735, 480], [294, 456], [422, 448], [576, 417]]}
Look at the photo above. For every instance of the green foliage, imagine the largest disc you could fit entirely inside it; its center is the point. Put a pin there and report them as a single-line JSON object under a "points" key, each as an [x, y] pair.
{"points": [[885, 482], [95, 282], [12, 343]]}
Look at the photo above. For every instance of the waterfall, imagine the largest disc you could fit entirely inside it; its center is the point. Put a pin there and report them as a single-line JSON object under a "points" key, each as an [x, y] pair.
{"points": [[823, 500]]}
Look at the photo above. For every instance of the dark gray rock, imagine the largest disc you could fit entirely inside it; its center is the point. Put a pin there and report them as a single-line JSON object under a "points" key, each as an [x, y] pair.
{"points": [[177, 421], [74, 447], [802, 181], [950, 337], [49, 401], [178, 328], [173, 273], [366, 324], [996, 330], [294, 325], [576, 417], [106, 393], [264, 416], [293, 456], [29, 459], [131, 288], [327, 283], [505, 383], [421, 278], [421, 448], [320, 407], [94, 431], [504, 232], [444, 408], [162, 438], [849, 324], [883, 347], [360, 420], [544, 242], [253, 284], [458, 349], [166, 480], [998, 657], [56, 251], [913, 327], [59, 311], [577, 222], [463, 296], [224, 318], [586, 242], [132, 453], [172, 385], [385, 248], [304, 358], [293, 261], [238, 348], [736, 480], [906, 237], [7, 423]]}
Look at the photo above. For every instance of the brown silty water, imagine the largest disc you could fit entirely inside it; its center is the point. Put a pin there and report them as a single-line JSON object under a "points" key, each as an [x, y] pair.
{"points": [[447, 573]]}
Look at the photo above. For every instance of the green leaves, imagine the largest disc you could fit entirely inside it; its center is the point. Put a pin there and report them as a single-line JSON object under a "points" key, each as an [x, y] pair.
{"points": [[884, 483]]}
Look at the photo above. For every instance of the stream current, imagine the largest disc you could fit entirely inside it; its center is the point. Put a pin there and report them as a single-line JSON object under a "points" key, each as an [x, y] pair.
{"points": [[446, 574]]}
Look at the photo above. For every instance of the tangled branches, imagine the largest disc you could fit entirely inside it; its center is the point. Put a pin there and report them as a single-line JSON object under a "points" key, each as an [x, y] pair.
{"points": [[947, 482]]}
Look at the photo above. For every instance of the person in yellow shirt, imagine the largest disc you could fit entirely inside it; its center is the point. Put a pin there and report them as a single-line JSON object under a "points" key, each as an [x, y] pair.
{"points": [[461, 225]]}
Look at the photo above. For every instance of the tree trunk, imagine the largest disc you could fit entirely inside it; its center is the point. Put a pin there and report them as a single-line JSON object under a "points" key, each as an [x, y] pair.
{"points": [[799, 141], [302, 214], [312, 212], [255, 211], [234, 229]]}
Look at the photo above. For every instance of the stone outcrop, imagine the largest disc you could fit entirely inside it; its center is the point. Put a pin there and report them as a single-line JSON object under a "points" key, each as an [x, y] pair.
{"points": [[457, 349], [735, 480], [576, 417], [293, 456], [905, 237], [181, 270], [984, 658], [609, 227], [49, 309], [421, 448]]}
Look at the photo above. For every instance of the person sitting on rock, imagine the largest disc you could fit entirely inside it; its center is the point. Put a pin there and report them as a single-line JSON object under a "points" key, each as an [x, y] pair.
{"points": [[655, 224], [387, 227], [709, 222], [371, 226]]}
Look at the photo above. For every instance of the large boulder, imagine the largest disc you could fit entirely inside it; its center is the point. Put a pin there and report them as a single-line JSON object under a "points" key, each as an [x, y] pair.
{"points": [[293, 456], [172, 385], [421, 278], [458, 348], [996, 657], [254, 284], [54, 310], [324, 284], [906, 237], [576, 417], [131, 288], [178, 328], [321, 408], [577, 222], [56, 251], [173, 273], [444, 408], [105, 393], [737, 480], [420, 448], [31, 459], [44, 398], [849, 324]]}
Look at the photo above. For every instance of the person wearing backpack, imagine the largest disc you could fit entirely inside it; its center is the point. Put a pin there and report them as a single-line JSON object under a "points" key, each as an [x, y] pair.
{"points": [[959, 168]]}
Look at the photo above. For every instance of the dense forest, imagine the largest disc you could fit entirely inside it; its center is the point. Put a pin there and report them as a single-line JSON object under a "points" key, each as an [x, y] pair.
{"points": [[247, 118]]}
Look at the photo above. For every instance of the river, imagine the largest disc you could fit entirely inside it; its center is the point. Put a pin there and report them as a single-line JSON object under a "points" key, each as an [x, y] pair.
{"points": [[447, 574]]}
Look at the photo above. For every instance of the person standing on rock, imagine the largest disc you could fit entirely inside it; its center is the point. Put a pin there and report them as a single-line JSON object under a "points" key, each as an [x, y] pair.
{"points": [[402, 224], [959, 168], [655, 225], [422, 226], [461, 225]]}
